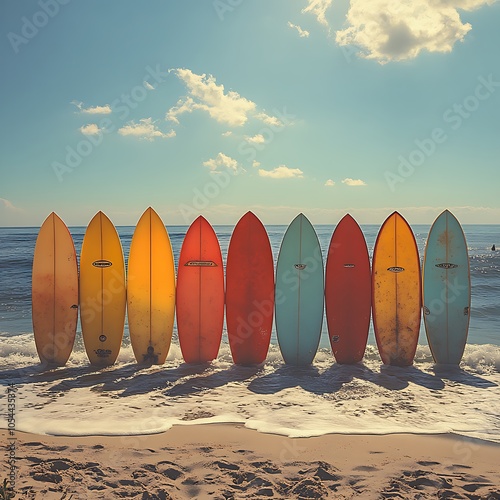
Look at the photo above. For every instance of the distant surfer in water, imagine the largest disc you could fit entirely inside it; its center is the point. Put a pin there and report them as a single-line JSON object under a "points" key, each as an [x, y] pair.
{"points": [[493, 248]]}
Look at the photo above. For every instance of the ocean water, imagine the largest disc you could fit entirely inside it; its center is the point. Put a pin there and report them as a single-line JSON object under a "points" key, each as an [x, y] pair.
{"points": [[367, 398]]}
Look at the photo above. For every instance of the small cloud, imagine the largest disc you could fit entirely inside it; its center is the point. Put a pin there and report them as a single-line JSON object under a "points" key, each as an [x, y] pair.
{"points": [[221, 160], [93, 110], [227, 107], [302, 33], [227, 134], [269, 120], [353, 182], [90, 129], [145, 129], [204, 94], [256, 164], [282, 172], [256, 139], [148, 86], [8, 205], [319, 8], [329, 182]]}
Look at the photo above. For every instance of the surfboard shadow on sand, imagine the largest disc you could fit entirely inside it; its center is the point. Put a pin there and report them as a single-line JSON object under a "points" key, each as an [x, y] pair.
{"points": [[131, 379], [336, 376], [219, 378]]}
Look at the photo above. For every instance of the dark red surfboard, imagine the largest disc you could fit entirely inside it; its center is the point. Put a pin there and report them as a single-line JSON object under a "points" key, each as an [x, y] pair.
{"points": [[200, 293], [249, 291], [348, 292]]}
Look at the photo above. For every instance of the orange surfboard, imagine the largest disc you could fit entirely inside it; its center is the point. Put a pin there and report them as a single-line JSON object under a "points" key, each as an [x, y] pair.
{"points": [[249, 291], [200, 294], [54, 295], [396, 292], [348, 292], [150, 290]]}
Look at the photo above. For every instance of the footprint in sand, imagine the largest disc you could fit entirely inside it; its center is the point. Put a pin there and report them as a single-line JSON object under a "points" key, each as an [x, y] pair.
{"points": [[425, 463], [366, 468]]}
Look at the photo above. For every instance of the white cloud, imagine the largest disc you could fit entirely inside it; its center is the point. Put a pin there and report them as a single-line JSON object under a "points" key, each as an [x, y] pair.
{"points": [[90, 129], [302, 33], [319, 8], [148, 86], [353, 182], [145, 129], [269, 120], [227, 133], [282, 172], [226, 107], [182, 106], [256, 164], [256, 139], [391, 30], [93, 110], [8, 205], [204, 93], [329, 182], [221, 160]]}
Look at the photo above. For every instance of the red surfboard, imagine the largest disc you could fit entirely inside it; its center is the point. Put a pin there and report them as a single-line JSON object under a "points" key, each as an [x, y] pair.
{"points": [[200, 293], [348, 292], [249, 291]]}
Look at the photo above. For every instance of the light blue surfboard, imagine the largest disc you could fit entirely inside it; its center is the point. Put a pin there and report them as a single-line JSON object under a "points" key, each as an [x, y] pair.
{"points": [[299, 293], [446, 290]]}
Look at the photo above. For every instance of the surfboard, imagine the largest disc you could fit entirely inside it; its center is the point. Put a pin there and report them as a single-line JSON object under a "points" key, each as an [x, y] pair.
{"points": [[150, 290], [200, 294], [446, 289], [348, 292], [249, 291], [396, 292], [54, 294], [299, 293], [102, 291]]}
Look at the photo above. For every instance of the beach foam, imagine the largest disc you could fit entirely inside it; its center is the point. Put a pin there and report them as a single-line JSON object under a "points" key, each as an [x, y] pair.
{"points": [[367, 398]]}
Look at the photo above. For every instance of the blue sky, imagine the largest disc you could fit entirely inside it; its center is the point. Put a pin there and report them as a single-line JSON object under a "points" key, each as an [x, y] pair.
{"points": [[223, 106]]}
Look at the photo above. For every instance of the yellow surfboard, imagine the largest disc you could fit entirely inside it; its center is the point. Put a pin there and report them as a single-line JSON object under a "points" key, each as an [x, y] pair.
{"points": [[102, 291], [150, 290], [396, 298], [54, 295]]}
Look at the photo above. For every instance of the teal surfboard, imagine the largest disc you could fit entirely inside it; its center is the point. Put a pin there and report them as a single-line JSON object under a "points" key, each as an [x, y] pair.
{"points": [[446, 290], [299, 293]]}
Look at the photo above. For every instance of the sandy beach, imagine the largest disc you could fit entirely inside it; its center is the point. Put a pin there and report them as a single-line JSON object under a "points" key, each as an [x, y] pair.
{"points": [[229, 461]]}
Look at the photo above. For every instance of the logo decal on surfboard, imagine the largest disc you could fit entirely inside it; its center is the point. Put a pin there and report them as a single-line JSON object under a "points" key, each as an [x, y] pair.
{"points": [[102, 263], [396, 269], [427, 311], [103, 353], [200, 263], [446, 265], [466, 311], [102, 338], [300, 267], [350, 265], [335, 338]]}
